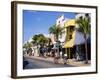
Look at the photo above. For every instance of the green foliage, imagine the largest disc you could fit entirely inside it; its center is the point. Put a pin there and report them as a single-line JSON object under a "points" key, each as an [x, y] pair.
{"points": [[84, 24], [27, 45], [40, 39], [56, 30]]}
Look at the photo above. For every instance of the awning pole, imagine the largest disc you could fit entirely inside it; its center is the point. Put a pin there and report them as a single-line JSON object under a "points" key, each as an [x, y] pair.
{"points": [[69, 52]]}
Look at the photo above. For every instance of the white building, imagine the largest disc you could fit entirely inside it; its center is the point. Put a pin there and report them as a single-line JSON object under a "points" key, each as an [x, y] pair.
{"points": [[60, 21]]}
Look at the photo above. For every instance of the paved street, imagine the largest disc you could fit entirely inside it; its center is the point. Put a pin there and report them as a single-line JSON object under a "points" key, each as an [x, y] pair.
{"points": [[36, 63]]}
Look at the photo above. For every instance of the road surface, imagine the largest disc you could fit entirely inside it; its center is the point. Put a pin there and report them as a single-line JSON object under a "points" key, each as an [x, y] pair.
{"points": [[36, 64]]}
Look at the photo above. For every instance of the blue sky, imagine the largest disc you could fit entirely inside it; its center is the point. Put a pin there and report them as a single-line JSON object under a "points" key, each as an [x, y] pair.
{"points": [[36, 22]]}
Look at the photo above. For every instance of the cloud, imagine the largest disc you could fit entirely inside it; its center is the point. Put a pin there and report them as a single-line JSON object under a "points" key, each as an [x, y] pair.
{"points": [[46, 35]]}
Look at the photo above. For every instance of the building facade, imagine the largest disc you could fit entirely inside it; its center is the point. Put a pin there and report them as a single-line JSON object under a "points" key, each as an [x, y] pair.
{"points": [[60, 22], [73, 40]]}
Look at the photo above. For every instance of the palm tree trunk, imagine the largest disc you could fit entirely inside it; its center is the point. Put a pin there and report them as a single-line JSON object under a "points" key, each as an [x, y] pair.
{"points": [[57, 36], [86, 52]]}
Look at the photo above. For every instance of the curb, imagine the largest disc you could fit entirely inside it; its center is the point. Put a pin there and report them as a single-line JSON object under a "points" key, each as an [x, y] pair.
{"points": [[70, 62]]}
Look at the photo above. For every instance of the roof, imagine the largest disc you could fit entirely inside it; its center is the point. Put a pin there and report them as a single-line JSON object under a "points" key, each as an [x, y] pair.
{"points": [[70, 22]]}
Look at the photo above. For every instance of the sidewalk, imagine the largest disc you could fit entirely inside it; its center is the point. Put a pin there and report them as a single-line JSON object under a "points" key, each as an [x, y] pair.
{"points": [[70, 61]]}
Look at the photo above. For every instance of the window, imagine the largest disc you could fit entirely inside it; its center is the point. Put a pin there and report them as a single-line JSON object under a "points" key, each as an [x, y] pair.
{"points": [[70, 36]]}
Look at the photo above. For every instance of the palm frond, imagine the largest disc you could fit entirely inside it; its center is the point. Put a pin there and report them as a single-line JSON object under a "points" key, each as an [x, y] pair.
{"points": [[84, 24]]}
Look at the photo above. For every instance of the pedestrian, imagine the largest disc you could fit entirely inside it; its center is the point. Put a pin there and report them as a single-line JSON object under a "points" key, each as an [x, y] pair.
{"points": [[63, 52], [65, 58], [60, 50], [56, 56], [33, 51], [45, 51], [40, 51], [49, 51], [30, 51]]}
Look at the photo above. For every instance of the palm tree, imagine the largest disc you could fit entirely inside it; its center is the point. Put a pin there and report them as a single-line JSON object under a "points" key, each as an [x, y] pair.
{"points": [[84, 27], [56, 30]]}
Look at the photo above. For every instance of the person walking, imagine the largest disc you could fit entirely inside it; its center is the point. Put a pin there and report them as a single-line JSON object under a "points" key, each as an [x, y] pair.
{"points": [[65, 58], [45, 51], [56, 56]]}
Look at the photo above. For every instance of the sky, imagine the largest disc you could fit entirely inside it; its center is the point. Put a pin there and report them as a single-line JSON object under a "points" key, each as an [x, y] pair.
{"points": [[37, 22]]}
